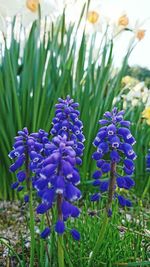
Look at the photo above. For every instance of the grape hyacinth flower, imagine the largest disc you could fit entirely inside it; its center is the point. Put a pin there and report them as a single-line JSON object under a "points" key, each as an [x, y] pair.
{"points": [[148, 161], [29, 152], [114, 158], [59, 176], [146, 189], [66, 122], [22, 149]]}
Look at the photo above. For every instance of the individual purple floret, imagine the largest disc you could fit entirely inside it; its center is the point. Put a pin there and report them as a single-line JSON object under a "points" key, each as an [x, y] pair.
{"points": [[59, 177], [114, 157], [148, 161]]}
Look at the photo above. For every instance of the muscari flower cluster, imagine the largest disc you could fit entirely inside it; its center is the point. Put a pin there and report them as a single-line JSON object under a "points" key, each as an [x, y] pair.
{"points": [[27, 152], [114, 143], [148, 161], [57, 180]]}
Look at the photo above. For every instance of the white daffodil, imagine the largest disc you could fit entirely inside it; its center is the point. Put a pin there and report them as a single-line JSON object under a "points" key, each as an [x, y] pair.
{"points": [[117, 19], [94, 18], [91, 19], [27, 9], [139, 31], [120, 24]]}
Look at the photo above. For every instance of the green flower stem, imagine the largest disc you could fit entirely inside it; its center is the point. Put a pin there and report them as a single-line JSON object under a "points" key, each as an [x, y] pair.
{"points": [[111, 185], [31, 211], [60, 237], [60, 251], [42, 242], [32, 246]]}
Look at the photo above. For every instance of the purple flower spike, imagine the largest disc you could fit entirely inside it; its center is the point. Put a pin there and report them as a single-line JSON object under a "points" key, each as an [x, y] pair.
{"points": [[57, 176], [114, 155], [29, 152], [67, 122]]}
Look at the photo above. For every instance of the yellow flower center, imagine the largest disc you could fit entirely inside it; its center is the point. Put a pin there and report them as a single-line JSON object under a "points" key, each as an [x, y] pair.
{"points": [[140, 34], [123, 21], [92, 17], [32, 5]]}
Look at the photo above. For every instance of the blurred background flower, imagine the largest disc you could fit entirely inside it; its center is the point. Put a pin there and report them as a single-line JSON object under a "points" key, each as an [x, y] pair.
{"points": [[146, 114], [138, 94]]}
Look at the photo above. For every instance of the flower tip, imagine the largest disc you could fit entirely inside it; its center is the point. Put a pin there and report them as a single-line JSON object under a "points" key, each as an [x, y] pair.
{"points": [[75, 234], [45, 233], [60, 227], [95, 197]]}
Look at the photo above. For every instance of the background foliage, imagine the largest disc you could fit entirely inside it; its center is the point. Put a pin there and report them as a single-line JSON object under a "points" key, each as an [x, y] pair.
{"points": [[52, 64]]}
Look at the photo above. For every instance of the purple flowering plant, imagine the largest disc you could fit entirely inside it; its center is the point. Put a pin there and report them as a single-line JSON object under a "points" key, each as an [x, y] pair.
{"points": [[48, 165], [50, 168], [58, 176], [28, 151], [114, 158]]}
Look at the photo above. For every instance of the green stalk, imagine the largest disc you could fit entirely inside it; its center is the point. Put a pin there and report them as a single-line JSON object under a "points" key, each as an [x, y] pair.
{"points": [[60, 251], [111, 186], [60, 237], [32, 246], [105, 220], [31, 211], [42, 243]]}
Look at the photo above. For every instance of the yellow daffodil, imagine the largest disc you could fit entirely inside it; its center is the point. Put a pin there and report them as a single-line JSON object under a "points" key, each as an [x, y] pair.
{"points": [[123, 21], [146, 115], [32, 5], [140, 34]]}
